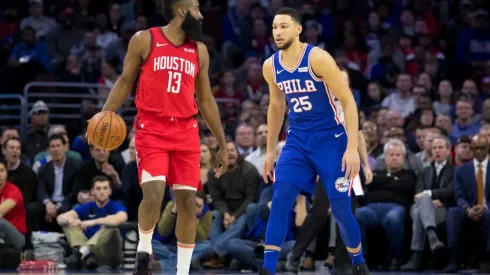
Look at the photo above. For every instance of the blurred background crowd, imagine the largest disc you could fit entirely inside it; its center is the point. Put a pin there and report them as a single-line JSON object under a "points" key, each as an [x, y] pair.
{"points": [[420, 74]]}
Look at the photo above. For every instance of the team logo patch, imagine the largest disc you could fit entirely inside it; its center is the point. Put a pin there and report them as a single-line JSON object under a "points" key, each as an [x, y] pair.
{"points": [[342, 184]]}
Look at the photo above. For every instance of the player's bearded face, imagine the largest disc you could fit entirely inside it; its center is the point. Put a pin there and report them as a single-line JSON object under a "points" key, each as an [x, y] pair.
{"points": [[285, 45], [193, 26]]}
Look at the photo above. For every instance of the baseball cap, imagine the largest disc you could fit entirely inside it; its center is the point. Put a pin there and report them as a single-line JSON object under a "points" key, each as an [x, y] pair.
{"points": [[39, 107], [464, 139]]}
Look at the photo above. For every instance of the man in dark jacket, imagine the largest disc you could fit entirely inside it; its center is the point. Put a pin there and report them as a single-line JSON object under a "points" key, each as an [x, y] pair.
{"points": [[387, 200], [54, 187], [231, 194], [433, 194]]}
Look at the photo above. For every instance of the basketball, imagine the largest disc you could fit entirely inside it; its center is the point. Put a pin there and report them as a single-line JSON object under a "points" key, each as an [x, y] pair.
{"points": [[106, 131]]}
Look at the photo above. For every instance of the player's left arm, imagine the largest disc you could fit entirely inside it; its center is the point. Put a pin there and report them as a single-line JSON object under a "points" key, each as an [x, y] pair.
{"points": [[205, 99], [324, 66]]}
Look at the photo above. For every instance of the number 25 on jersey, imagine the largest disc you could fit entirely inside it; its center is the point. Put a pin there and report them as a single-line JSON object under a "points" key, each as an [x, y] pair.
{"points": [[301, 104], [174, 79]]}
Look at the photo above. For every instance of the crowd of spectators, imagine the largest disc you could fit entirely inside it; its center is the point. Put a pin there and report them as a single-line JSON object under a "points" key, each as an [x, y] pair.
{"points": [[419, 71]]}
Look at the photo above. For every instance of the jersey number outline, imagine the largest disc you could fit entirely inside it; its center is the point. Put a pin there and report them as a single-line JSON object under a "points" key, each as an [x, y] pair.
{"points": [[301, 104], [174, 81]]}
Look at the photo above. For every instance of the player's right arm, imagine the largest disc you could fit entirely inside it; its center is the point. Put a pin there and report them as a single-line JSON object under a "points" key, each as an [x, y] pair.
{"points": [[137, 49], [275, 118]]}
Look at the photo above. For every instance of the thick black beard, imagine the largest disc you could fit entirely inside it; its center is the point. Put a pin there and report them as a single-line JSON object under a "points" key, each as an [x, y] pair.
{"points": [[286, 45], [193, 27]]}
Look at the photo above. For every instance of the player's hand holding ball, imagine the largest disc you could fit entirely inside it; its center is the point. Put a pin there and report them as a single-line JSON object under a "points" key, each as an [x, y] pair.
{"points": [[268, 168], [222, 161], [106, 131], [351, 164]]}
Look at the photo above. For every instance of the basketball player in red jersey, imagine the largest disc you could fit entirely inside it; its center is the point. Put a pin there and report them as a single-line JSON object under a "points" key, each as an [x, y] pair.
{"points": [[171, 64]]}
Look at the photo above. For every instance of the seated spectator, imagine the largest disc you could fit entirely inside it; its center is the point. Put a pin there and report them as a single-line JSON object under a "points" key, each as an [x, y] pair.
{"points": [[54, 187], [166, 249], [243, 249], [36, 139], [374, 148], [387, 200], [425, 156], [19, 174], [91, 228], [231, 194], [244, 140], [37, 19], [472, 197], [103, 163], [401, 99], [29, 51], [61, 130], [257, 156], [463, 124], [12, 212], [411, 162], [44, 157], [13, 133], [462, 151], [434, 194]]}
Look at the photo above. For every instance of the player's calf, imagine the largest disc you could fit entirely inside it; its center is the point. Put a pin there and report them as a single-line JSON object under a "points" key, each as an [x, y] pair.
{"points": [[185, 229], [349, 229], [149, 213]]}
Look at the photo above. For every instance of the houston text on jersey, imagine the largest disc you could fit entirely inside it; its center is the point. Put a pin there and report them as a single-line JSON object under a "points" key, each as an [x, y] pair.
{"points": [[174, 63]]}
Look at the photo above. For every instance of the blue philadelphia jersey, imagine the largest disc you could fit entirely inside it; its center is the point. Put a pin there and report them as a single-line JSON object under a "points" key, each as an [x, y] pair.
{"points": [[316, 138], [312, 106]]}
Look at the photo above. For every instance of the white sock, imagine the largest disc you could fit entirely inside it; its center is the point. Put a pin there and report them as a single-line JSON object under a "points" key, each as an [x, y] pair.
{"points": [[144, 245], [84, 250], [184, 257]]}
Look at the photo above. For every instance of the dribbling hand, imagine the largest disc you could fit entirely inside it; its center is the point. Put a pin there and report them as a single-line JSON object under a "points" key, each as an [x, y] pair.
{"points": [[351, 164], [268, 168], [221, 164]]}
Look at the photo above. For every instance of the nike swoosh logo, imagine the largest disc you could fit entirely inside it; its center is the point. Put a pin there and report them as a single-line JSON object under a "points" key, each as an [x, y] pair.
{"points": [[161, 45], [338, 135], [278, 72]]}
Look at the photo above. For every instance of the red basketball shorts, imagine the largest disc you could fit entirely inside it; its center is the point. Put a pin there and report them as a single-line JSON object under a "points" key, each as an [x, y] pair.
{"points": [[168, 149]]}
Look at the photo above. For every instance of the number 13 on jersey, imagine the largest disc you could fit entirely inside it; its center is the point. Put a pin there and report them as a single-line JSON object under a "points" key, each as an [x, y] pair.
{"points": [[174, 80], [301, 104]]}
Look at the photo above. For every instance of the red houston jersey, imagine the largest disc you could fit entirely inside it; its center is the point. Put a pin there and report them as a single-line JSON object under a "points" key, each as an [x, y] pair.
{"points": [[166, 82]]}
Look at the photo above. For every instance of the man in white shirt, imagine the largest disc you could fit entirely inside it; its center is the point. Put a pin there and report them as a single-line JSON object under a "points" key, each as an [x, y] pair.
{"points": [[402, 99], [257, 156], [434, 191]]}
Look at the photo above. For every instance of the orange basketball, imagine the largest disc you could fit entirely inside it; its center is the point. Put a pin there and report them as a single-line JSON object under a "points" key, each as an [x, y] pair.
{"points": [[106, 130]]}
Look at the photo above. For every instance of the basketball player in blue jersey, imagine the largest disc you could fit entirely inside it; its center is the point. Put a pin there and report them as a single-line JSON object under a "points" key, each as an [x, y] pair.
{"points": [[318, 142]]}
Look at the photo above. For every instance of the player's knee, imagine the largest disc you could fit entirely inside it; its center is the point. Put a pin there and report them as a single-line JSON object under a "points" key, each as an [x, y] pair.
{"points": [[186, 202], [153, 192]]}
